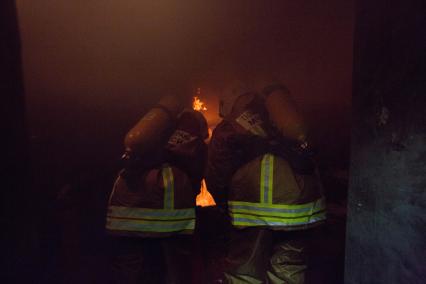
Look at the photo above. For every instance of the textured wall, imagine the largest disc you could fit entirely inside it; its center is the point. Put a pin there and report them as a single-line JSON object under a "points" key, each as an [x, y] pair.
{"points": [[386, 229]]}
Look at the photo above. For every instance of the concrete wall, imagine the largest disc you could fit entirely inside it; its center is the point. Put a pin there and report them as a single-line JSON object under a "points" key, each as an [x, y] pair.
{"points": [[386, 229]]}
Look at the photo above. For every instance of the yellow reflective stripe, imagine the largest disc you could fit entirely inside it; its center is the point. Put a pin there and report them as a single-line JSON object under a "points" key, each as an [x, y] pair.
{"points": [[274, 219], [281, 214], [266, 178], [250, 220], [168, 188], [270, 178], [316, 204], [262, 182], [257, 214], [137, 225], [148, 213]]}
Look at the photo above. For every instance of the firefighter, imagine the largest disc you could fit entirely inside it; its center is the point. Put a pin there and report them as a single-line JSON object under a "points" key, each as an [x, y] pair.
{"points": [[151, 211], [261, 172]]}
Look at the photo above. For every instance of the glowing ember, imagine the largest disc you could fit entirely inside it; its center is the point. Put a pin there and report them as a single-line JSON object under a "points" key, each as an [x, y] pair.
{"points": [[204, 198]]}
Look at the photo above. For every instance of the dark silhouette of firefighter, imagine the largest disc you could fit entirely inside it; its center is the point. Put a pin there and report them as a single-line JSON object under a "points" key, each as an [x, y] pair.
{"points": [[261, 171], [151, 211]]}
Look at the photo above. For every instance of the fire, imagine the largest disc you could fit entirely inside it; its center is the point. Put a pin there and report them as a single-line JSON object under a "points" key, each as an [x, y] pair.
{"points": [[198, 105], [204, 198]]}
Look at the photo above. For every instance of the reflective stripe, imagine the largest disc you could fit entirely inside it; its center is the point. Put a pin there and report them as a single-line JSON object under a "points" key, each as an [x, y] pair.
{"points": [[266, 178], [150, 220], [139, 225], [247, 220], [256, 214], [147, 213], [283, 210], [168, 188]]}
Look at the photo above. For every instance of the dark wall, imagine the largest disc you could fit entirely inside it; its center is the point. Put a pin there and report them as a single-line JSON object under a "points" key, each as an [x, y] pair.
{"points": [[386, 219], [18, 240]]}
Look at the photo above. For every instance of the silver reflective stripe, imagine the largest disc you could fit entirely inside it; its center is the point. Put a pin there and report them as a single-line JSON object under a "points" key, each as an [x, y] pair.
{"points": [[168, 187]]}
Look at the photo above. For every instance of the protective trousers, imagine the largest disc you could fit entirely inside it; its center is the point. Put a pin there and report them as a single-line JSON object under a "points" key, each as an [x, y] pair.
{"points": [[153, 260], [260, 255]]}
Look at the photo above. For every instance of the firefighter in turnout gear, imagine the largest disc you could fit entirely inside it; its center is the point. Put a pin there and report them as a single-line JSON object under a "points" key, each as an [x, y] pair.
{"points": [[151, 211], [261, 172]]}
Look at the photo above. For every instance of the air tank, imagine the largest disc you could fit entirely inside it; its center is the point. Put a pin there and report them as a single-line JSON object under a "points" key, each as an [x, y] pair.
{"points": [[284, 115], [153, 128]]}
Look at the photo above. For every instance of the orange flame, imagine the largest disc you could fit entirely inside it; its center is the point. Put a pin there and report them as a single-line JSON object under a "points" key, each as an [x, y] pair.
{"points": [[204, 198], [198, 105]]}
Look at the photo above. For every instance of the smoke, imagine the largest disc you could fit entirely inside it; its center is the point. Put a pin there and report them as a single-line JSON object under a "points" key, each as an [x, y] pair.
{"points": [[93, 67]]}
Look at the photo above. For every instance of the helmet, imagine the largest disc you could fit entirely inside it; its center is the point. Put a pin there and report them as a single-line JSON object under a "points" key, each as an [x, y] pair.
{"points": [[229, 96], [243, 101], [193, 122]]}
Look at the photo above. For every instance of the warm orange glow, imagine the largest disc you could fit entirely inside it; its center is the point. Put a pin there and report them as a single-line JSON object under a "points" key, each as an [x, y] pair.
{"points": [[204, 198], [198, 105]]}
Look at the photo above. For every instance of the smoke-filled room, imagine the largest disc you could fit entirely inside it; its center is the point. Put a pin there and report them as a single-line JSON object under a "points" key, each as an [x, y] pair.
{"points": [[216, 142]]}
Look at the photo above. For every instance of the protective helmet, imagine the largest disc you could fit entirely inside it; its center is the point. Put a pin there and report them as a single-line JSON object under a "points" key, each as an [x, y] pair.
{"points": [[229, 95], [193, 122]]}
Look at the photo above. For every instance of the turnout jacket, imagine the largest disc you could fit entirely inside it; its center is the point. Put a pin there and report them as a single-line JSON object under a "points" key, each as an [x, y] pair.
{"points": [[157, 198], [261, 178]]}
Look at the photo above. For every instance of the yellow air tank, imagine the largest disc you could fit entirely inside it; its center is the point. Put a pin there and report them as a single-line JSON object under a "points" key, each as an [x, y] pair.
{"points": [[284, 115], [151, 130]]}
